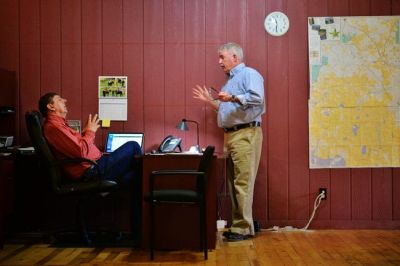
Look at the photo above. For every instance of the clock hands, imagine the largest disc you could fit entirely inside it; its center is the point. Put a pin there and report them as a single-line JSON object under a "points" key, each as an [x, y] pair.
{"points": [[273, 24]]}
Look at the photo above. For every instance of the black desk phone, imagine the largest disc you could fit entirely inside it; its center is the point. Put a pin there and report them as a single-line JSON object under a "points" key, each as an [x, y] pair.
{"points": [[169, 144]]}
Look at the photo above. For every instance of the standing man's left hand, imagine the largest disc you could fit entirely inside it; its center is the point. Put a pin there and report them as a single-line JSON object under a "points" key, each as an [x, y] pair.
{"points": [[204, 95]]}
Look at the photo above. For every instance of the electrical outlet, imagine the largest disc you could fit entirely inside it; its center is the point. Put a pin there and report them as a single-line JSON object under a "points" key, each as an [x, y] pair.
{"points": [[325, 190]]}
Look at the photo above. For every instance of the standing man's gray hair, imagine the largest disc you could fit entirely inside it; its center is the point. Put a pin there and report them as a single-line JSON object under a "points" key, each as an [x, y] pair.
{"points": [[233, 48]]}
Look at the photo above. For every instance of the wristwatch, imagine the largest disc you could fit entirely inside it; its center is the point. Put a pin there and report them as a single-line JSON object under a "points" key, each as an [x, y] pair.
{"points": [[233, 98]]}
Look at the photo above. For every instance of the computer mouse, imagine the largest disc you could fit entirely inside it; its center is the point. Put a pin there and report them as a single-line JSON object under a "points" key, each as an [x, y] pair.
{"points": [[153, 151]]}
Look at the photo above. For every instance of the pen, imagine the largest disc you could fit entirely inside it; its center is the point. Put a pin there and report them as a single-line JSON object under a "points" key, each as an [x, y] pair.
{"points": [[212, 88]]}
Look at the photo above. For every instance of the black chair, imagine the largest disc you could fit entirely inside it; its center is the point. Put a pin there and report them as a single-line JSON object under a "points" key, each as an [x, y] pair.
{"points": [[82, 190], [178, 195]]}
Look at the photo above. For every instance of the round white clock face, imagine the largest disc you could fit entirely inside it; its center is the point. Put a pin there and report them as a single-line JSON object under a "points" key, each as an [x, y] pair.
{"points": [[276, 23]]}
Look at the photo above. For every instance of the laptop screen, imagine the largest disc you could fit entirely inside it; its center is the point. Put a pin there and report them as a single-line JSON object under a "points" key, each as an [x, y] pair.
{"points": [[115, 140]]}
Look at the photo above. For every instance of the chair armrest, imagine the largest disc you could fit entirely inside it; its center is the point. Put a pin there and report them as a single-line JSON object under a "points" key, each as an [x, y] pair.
{"points": [[77, 160], [176, 172], [166, 173]]}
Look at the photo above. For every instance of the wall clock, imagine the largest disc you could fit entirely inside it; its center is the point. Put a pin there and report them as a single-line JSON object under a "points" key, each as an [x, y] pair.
{"points": [[276, 23]]}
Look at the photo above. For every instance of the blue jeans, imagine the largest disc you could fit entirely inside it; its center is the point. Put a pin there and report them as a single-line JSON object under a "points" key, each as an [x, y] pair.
{"points": [[122, 164], [125, 167]]}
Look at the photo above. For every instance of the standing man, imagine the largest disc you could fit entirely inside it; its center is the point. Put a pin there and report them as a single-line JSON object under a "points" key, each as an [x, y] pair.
{"points": [[240, 105]]}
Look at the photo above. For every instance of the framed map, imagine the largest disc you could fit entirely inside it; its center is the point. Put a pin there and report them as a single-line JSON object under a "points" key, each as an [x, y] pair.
{"points": [[354, 104]]}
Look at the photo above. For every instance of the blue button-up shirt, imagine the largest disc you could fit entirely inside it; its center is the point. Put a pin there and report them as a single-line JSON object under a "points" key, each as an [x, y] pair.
{"points": [[248, 86]]}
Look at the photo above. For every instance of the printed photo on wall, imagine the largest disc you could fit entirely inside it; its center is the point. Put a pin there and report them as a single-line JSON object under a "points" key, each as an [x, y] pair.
{"points": [[113, 86], [113, 98]]}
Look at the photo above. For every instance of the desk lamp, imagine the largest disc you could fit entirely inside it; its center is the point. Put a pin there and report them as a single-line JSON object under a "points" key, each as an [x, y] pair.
{"points": [[183, 126]]}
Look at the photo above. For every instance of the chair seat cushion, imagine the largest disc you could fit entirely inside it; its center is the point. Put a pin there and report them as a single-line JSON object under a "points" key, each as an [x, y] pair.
{"points": [[176, 195]]}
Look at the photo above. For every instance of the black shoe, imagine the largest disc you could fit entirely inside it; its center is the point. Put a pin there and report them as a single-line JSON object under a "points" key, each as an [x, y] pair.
{"points": [[227, 233], [234, 237]]}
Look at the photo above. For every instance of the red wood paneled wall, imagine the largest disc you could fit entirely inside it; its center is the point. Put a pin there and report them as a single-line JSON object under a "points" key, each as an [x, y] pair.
{"points": [[166, 47]]}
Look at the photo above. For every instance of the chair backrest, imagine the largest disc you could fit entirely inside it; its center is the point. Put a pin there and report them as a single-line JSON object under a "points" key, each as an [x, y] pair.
{"points": [[205, 165], [34, 122]]}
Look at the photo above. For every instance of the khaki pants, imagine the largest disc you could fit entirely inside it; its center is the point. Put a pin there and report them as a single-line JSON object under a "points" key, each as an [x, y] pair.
{"points": [[244, 148]]}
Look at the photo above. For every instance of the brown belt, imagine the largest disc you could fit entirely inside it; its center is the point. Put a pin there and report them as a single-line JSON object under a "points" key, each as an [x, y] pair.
{"points": [[241, 126]]}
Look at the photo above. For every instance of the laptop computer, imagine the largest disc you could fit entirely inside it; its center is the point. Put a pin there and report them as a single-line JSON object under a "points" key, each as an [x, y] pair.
{"points": [[117, 139]]}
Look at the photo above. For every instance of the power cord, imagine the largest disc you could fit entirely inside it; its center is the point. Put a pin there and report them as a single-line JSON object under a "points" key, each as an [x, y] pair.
{"points": [[317, 202]]}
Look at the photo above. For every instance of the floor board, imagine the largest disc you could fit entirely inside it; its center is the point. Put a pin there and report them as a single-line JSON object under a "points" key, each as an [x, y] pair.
{"points": [[319, 247]]}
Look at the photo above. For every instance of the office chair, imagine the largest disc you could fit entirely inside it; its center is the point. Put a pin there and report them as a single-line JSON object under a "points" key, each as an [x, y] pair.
{"points": [[60, 186], [178, 195]]}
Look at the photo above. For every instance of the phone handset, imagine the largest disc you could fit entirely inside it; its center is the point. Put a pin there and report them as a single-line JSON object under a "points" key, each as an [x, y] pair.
{"points": [[169, 144]]}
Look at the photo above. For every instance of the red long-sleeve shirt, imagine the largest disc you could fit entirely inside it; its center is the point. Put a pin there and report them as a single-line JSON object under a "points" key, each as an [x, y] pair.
{"points": [[68, 143]]}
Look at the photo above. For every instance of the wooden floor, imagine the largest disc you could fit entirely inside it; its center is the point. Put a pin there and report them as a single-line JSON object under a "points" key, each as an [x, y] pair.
{"points": [[319, 247]]}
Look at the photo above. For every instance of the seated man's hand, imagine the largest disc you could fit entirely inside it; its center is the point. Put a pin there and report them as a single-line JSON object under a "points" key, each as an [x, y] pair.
{"points": [[93, 123]]}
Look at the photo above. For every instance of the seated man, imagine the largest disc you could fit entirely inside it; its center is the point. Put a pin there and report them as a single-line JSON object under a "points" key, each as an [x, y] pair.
{"points": [[68, 143], [121, 166]]}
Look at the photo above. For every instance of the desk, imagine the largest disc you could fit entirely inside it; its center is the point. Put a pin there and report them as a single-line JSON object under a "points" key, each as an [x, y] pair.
{"points": [[177, 227], [6, 190]]}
